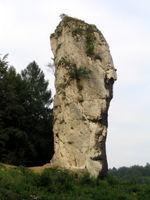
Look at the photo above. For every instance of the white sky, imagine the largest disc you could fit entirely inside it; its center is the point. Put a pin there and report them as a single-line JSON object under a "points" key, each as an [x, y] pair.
{"points": [[25, 29]]}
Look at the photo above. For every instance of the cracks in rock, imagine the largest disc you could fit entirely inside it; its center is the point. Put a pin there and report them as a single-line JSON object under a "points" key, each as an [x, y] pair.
{"points": [[96, 158], [75, 161], [70, 142], [102, 119], [109, 86], [59, 139], [61, 154], [79, 85]]}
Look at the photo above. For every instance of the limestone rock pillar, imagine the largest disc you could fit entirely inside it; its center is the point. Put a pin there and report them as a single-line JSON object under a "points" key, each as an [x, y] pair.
{"points": [[84, 87]]}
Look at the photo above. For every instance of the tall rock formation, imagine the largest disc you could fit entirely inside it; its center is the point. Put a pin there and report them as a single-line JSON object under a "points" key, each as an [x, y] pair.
{"points": [[84, 79]]}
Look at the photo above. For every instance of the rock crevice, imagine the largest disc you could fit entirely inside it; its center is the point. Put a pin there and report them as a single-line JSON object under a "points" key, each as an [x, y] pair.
{"points": [[84, 87]]}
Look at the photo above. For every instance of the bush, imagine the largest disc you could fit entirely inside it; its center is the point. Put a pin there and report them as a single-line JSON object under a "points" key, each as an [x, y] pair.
{"points": [[22, 184], [56, 180], [77, 31], [89, 46], [78, 73]]}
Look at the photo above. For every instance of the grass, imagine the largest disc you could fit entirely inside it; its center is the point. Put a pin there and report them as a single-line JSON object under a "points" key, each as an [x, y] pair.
{"points": [[22, 184]]}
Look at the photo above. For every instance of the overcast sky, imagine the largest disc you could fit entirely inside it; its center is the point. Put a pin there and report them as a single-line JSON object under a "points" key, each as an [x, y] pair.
{"points": [[24, 33]]}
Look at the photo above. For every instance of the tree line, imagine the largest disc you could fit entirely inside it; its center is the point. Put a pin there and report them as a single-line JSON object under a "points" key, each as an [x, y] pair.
{"points": [[134, 174], [26, 136]]}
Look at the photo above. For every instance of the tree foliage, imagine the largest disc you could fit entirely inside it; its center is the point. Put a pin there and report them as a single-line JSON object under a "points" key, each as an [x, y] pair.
{"points": [[25, 117], [136, 173]]}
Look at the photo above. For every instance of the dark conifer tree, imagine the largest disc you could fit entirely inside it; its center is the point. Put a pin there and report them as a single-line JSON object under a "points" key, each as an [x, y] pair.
{"points": [[26, 136], [38, 114]]}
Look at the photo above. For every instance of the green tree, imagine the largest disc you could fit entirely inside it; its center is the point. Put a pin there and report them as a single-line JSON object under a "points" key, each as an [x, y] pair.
{"points": [[26, 136], [38, 114], [13, 140]]}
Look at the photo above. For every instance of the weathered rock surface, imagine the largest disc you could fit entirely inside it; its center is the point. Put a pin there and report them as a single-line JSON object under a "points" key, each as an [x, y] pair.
{"points": [[84, 79]]}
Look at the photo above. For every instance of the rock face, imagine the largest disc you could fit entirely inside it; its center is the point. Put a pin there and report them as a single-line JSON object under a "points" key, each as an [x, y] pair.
{"points": [[84, 79]]}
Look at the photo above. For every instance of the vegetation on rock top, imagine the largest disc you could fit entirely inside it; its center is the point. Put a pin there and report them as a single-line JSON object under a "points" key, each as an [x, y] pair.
{"points": [[80, 28]]}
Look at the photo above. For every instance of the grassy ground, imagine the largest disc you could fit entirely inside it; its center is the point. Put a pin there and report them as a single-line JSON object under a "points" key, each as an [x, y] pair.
{"points": [[53, 184]]}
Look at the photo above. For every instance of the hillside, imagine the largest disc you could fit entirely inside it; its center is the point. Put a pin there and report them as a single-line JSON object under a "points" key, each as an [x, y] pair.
{"points": [[22, 184]]}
